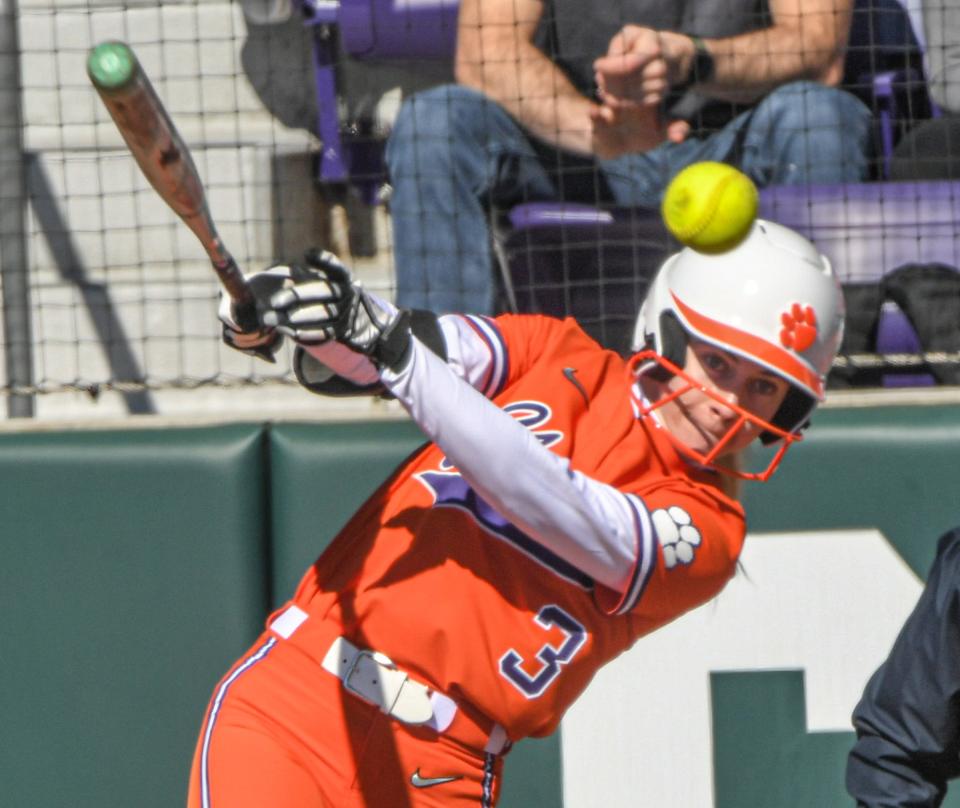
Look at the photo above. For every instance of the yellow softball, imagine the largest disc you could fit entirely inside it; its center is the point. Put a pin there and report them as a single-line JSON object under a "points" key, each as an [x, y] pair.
{"points": [[710, 206]]}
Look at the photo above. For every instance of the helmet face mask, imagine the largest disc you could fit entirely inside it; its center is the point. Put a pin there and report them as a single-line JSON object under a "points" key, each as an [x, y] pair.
{"points": [[651, 364], [772, 299]]}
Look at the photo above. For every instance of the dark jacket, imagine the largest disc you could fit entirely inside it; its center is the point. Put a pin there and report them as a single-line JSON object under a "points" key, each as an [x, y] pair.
{"points": [[908, 721]]}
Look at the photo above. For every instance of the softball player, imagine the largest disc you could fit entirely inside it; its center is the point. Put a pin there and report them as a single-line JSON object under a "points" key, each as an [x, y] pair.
{"points": [[568, 503]]}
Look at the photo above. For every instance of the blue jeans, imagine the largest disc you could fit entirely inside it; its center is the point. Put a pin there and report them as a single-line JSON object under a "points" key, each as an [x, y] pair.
{"points": [[454, 156]]}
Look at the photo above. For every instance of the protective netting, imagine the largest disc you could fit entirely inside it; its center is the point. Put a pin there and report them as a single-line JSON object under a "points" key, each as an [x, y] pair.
{"points": [[288, 108]]}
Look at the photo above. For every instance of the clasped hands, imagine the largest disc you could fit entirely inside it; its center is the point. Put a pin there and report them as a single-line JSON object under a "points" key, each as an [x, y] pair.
{"points": [[633, 78]]}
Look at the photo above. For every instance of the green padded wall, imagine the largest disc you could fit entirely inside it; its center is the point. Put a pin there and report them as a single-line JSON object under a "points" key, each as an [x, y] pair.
{"points": [[759, 728], [130, 578], [137, 565], [894, 468], [320, 475]]}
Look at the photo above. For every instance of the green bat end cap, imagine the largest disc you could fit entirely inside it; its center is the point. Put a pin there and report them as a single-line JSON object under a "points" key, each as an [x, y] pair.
{"points": [[111, 65]]}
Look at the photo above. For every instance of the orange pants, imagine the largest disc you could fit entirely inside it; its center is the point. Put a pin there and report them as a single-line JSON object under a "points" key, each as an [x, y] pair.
{"points": [[283, 732]]}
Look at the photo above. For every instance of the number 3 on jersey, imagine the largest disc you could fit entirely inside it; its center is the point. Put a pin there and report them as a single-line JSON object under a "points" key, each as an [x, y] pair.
{"points": [[551, 657]]}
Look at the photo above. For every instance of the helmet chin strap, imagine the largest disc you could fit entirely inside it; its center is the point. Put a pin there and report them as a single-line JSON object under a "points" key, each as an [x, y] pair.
{"points": [[649, 362]]}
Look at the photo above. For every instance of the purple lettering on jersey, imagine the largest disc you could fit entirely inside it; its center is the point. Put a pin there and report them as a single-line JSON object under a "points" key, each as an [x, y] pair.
{"points": [[450, 490], [530, 414]]}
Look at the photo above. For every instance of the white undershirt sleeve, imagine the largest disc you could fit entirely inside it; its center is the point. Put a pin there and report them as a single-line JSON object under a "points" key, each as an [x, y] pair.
{"points": [[590, 524], [475, 351]]}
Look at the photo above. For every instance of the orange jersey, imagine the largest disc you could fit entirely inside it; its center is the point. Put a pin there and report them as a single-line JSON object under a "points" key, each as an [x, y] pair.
{"points": [[432, 576]]}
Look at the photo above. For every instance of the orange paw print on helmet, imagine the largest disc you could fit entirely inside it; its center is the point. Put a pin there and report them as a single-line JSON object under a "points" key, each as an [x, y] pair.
{"points": [[799, 327]]}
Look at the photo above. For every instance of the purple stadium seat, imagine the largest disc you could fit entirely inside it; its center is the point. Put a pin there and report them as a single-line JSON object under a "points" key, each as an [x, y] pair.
{"points": [[575, 260], [884, 68], [895, 335], [868, 229], [864, 229], [374, 30], [398, 29], [595, 263]]}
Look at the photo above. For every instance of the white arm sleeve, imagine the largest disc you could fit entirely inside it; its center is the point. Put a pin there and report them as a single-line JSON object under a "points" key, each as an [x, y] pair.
{"points": [[590, 524]]}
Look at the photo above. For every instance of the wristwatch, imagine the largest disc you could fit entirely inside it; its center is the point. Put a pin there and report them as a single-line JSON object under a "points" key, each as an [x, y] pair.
{"points": [[701, 70]]}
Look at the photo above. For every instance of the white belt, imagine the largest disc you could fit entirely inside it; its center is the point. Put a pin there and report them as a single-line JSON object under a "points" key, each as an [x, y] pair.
{"points": [[374, 678]]}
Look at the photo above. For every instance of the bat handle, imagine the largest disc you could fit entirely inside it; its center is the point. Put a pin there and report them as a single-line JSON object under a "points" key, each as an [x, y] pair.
{"points": [[244, 303], [233, 282]]}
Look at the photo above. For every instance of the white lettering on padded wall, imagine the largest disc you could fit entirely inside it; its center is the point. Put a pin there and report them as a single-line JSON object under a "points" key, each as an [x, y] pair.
{"points": [[829, 603]]}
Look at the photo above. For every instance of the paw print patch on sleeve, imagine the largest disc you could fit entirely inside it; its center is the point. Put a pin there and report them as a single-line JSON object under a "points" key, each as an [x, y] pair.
{"points": [[678, 535]]}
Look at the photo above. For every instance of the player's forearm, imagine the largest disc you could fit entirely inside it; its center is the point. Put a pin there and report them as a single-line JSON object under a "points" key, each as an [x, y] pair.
{"points": [[587, 523], [799, 47], [341, 361]]}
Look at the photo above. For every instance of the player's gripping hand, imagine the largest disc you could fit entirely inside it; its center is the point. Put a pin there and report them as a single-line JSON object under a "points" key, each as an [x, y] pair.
{"points": [[255, 339], [322, 303]]}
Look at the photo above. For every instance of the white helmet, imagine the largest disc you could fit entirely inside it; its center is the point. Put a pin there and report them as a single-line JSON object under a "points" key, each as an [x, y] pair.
{"points": [[772, 299]]}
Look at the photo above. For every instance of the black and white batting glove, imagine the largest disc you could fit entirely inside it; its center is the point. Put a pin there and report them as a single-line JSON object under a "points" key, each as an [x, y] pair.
{"points": [[322, 303], [248, 334]]}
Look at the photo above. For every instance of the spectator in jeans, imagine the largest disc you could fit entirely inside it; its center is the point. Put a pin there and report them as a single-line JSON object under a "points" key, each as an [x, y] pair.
{"points": [[604, 103]]}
